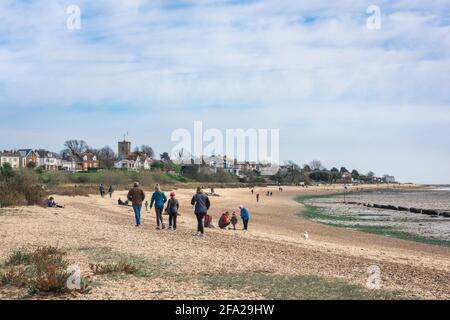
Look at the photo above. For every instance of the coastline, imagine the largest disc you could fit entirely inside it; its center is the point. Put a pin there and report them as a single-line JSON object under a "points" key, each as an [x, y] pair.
{"points": [[325, 213]]}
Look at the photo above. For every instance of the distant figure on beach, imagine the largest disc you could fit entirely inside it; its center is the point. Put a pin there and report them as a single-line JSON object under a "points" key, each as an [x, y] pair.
{"points": [[158, 199], [101, 189], [110, 191], [201, 204], [245, 215], [172, 210], [271, 193], [51, 203], [147, 205], [136, 195], [257, 197], [253, 190], [234, 220], [224, 220], [122, 203]]}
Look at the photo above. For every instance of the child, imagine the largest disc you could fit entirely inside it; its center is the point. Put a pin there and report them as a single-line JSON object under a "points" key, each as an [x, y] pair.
{"points": [[51, 203], [172, 210], [234, 220], [146, 205]]}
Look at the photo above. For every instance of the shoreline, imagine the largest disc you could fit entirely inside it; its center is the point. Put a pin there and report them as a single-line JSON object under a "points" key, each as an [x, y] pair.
{"points": [[322, 212]]}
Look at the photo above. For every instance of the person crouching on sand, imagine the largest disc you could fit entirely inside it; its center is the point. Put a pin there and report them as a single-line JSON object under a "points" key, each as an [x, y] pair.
{"points": [[234, 220], [201, 204], [224, 220], [172, 210], [136, 195], [245, 215], [159, 199]]}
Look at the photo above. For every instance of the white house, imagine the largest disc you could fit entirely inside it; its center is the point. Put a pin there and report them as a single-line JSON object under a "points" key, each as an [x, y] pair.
{"points": [[68, 163], [134, 162], [13, 158], [49, 160]]}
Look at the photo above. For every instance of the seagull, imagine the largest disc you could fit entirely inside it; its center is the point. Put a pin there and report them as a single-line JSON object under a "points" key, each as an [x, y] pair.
{"points": [[306, 235]]}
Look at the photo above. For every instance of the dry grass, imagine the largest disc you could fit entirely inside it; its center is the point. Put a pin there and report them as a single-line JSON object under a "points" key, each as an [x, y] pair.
{"points": [[101, 269], [43, 270]]}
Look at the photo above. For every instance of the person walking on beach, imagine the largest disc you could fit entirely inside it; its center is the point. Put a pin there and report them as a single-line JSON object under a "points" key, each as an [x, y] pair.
{"points": [[257, 197], [101, 189], [158, 199], [245, 215], [201, 204], [110, 191], [136, 195], [172, 210]]}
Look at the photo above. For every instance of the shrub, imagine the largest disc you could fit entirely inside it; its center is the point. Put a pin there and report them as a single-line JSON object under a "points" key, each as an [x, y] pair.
{"points": [[17, 258], [20, 188], [43, 270]]}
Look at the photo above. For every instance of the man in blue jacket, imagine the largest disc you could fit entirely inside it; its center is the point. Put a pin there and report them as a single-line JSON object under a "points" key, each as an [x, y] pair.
{"points": [[159, 199], [245, 215]]}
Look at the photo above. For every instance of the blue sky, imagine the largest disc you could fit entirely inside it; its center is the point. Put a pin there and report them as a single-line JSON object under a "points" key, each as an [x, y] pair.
{"points": [[341, 93]]}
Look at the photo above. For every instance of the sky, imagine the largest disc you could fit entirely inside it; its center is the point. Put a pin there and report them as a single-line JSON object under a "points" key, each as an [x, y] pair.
{"points": [[339, 92]]}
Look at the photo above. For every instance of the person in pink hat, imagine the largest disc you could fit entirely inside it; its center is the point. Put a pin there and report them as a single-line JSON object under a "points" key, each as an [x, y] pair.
{"points": [[172, 210]]}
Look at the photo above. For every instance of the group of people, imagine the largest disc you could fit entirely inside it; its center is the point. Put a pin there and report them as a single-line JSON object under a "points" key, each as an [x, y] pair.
{"points": [[225, 220], [200, 202], [101, 189]]}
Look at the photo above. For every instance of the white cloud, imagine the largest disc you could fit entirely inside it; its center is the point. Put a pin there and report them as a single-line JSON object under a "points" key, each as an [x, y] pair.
{"points": [[290, 60]]}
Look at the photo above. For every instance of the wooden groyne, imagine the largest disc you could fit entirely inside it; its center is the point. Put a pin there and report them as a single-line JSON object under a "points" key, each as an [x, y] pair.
{"points": [[429, 212]]}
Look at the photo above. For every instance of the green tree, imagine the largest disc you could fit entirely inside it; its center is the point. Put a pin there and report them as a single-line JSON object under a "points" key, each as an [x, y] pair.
{"points": [[7, 172], [164, 156]]}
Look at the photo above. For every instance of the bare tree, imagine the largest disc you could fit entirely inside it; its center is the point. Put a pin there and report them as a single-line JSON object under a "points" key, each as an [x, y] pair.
{"points": [[148, 150], [106, 157], [316, 165], [76, 146]]}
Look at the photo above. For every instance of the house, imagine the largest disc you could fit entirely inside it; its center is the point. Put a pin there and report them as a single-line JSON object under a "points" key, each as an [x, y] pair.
{"points": [[134, 161], [388, 179], [86, 161], [48, 160], [11, 157], [69, 163], [28, 158], [347, 177], [268, 170]]}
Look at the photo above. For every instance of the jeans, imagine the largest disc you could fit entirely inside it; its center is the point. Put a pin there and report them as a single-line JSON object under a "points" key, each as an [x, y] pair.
{"points": [[159, 218], [173, 220], [137, 213], [200, 217], [245, 224]]}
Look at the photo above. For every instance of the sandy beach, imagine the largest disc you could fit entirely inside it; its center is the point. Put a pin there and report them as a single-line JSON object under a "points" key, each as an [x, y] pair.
{"points": [[97, 229]]}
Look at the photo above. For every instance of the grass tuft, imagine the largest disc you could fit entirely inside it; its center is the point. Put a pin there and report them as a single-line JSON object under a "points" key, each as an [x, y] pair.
{"points": [[43, 270]]}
